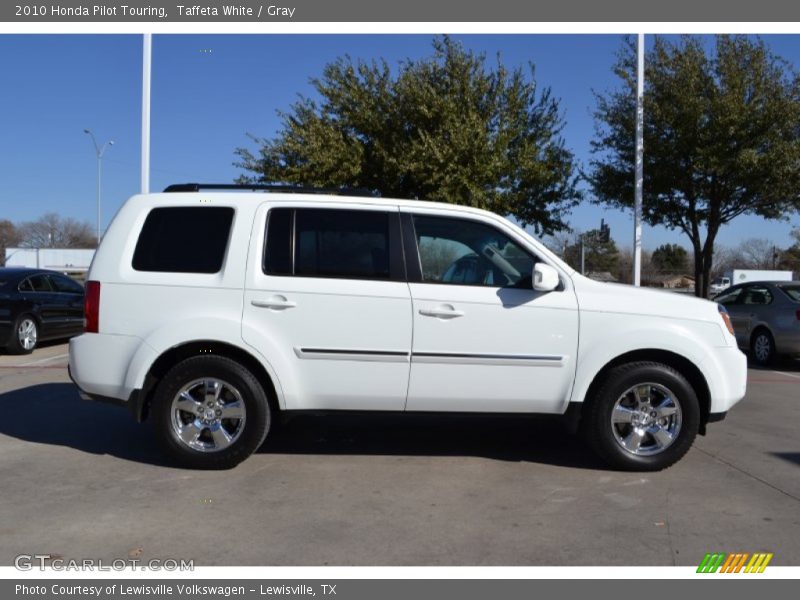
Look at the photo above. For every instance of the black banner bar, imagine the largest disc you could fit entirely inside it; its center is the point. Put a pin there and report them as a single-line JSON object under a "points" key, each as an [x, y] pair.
{"points": [[253, 11]]}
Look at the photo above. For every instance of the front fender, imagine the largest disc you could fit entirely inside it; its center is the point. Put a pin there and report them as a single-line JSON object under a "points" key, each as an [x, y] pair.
{"points": [[606, 336]]}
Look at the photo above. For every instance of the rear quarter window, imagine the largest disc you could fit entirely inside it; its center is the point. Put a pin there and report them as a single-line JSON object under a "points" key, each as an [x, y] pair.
{"points": [[793, 291], [186, 239]]}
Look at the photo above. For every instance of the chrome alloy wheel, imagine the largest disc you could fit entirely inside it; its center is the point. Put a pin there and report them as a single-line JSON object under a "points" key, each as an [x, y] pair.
{"points": [[646, 419], [762, 347], [27, 334], [208, 415]]}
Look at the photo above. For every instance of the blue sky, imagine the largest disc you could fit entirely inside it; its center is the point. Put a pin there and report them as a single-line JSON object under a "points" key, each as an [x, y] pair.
{"points": [[209, 91]]}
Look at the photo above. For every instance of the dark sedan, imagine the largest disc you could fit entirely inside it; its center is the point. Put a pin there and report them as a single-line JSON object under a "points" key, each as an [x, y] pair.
{"points": [[37, 305], [765, 317]]}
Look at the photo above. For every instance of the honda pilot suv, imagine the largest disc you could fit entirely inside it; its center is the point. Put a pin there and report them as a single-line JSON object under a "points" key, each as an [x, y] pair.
{"points": [[211, 312]]}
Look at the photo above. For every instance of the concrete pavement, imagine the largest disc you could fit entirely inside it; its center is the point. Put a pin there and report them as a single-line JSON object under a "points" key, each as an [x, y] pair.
{"points": [[82, 480]]}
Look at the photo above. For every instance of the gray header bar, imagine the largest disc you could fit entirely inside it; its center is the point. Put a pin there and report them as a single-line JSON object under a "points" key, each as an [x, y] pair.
{"points": [[253, 11]]}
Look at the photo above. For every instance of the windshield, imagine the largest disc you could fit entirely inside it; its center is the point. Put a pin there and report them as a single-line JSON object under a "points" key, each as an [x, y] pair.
{"points": [[793, 291]]}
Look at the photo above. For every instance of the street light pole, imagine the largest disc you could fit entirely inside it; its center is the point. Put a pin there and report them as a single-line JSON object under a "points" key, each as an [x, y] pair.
{"points": [[99, 151], [639, 175]]}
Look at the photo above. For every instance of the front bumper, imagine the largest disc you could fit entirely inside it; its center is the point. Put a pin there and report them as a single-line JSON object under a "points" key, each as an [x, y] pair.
{"points": [[726, 374]]}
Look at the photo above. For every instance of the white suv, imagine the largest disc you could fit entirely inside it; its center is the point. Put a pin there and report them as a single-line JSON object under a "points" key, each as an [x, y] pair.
{"points": [[212, 313]]}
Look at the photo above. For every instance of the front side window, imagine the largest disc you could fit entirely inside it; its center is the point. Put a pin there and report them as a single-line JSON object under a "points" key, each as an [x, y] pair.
{"points": [[348, 244], [185, 239], [464, 252], [730, 297]]}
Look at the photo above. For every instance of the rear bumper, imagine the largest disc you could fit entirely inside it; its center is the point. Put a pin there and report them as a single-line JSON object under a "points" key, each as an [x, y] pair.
{"points": [[134, 402], [788, 342], [98, 364]]}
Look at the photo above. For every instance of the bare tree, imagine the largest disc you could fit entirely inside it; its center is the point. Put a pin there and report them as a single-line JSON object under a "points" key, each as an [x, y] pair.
{"points": [[758, 253], [726, 259], [54, 231]]}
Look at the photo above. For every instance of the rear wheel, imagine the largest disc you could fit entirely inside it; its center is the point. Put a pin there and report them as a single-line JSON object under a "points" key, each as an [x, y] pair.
{"points": [[210, 413], [26, 335], [644, 417], [762, 347]]}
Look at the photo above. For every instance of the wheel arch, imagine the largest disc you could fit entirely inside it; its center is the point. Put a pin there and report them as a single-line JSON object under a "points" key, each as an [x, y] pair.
{"points": [[169, 358], [683, 365], [761, 325]]}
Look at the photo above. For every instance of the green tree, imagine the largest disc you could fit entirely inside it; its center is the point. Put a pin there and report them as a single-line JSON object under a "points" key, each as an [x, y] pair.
{"points": [[444, 128], [9, 237], [721, 135], [790, 257], [670, 258], [599, 256]]}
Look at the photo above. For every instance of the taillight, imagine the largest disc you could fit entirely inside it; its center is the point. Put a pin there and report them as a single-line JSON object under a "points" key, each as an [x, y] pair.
{"points": [[91, 307], [797, 314], [723, 312]]}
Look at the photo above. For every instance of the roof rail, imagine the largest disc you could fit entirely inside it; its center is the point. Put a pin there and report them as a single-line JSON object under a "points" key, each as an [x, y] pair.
{"points": [[268, 187]]}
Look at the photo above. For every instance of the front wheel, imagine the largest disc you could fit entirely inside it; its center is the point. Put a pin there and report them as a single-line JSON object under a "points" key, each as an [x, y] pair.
{"points": [[644, 417], [210, 412]]}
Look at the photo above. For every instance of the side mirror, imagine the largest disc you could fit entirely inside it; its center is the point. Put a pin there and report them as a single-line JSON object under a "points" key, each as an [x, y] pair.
{"points": [[545, 278]]}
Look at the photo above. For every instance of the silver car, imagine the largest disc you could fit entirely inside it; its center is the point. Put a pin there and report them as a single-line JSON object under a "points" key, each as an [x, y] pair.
{"points": [[765, 317]]}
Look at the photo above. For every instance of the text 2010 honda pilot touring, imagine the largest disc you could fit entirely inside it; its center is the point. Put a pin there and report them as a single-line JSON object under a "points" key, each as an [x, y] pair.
{"points": [[210, 313]]}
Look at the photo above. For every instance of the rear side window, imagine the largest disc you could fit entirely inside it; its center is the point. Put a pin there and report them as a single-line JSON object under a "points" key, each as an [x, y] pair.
{"points": [[337, 243], [757, 294], [40, 283], [65, 284], [793, 291], [187, 239]]}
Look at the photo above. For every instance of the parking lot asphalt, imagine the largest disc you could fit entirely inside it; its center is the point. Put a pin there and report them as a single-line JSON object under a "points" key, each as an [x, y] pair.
{"points": [[83, 480]]}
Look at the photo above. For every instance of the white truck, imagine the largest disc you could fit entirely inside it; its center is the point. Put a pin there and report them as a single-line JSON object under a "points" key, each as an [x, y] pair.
{"points": [[746, 275]]}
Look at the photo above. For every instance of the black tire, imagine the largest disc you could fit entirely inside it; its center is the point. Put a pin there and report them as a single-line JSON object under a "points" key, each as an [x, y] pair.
{"points": [[605, 437], [15, 345], [254, 424], [762, 347]]}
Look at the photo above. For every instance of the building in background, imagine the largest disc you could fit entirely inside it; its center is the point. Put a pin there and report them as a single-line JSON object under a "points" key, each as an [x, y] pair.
{"points": [[65, 260]]}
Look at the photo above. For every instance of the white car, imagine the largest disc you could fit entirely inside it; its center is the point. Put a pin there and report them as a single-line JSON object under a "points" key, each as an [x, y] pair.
{"points": [[213, 312]]}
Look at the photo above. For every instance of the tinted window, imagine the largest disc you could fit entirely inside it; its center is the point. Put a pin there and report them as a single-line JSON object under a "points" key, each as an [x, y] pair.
{"points": [[65, 284], [459, 251], [40, 283], [729, 297], [26, 286], [793, 291], [189, 239], [329, 243], [757, 294], [278, 257]]}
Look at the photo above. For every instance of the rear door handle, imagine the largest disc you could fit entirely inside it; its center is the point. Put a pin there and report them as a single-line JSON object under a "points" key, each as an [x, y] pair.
{"points": [[275, 303], [442, 312]]}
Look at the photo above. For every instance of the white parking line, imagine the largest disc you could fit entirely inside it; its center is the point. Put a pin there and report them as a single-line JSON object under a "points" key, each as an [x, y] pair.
{"points": [[44, 360], [788, 374]]}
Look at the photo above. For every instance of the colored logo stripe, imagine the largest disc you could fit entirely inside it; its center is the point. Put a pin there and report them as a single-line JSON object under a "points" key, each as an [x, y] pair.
{"points": [[734, 562]]}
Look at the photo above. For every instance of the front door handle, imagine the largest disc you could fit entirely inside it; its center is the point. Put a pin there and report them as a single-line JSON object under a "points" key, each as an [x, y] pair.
{"points": [[445, 311], [275, 303]]}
